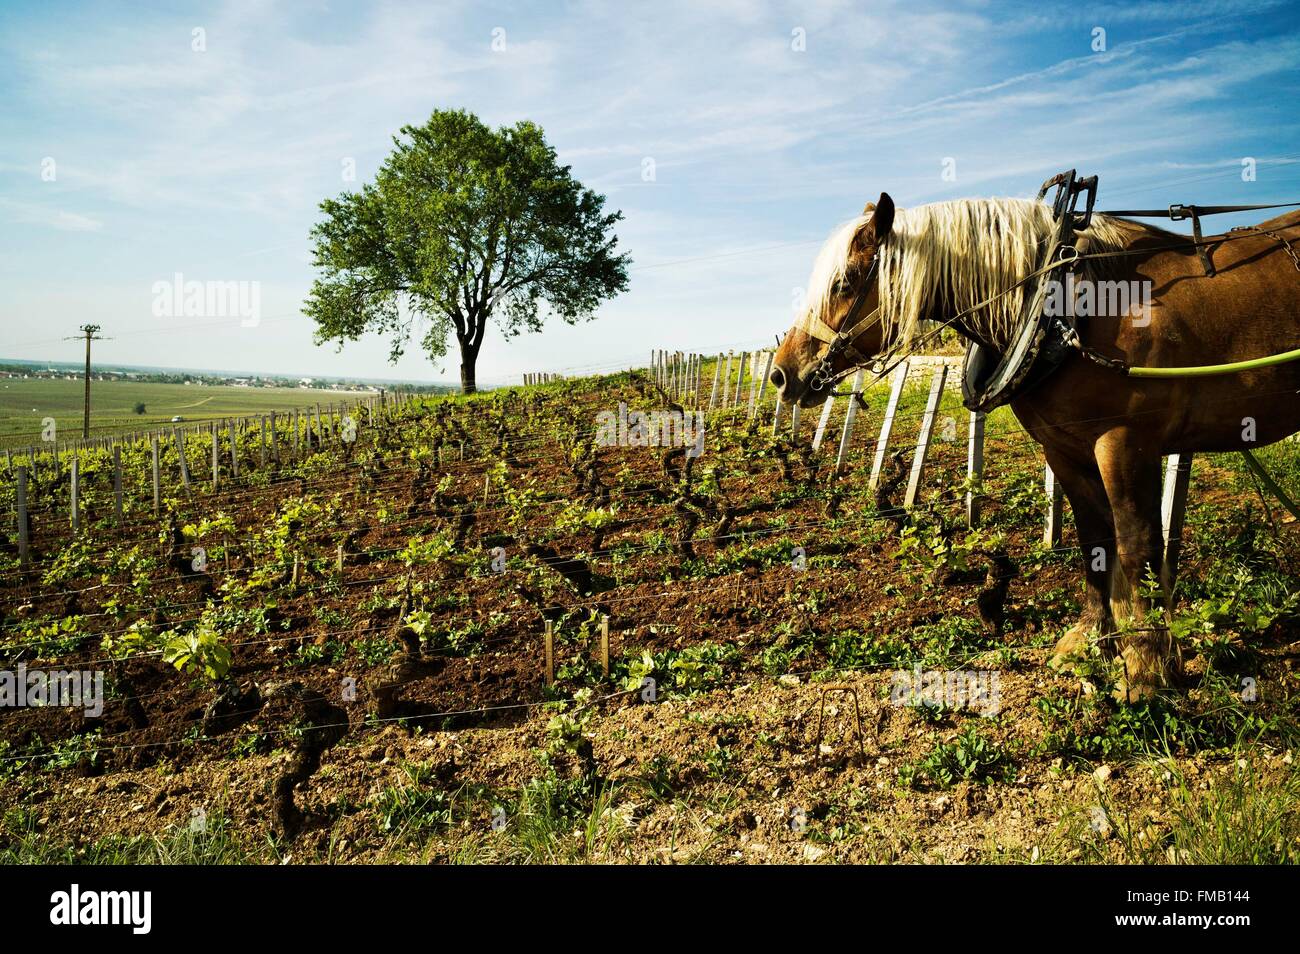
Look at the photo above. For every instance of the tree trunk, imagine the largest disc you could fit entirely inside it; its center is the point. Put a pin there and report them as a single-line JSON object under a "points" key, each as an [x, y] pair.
{"points": [[469, 343]]}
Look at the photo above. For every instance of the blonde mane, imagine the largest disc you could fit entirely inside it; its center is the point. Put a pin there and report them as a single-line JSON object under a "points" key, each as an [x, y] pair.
{"points": [[954, 255]]}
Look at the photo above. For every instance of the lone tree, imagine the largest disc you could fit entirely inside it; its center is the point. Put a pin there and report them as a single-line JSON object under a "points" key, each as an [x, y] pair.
{"points": [[463, 224]]}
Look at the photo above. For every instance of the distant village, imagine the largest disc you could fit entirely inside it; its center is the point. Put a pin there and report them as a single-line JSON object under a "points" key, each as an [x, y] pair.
{"points": [[197, 379]]}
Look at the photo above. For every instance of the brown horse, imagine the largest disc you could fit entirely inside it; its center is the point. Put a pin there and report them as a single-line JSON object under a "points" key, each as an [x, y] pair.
{"points": [[897, 273]]}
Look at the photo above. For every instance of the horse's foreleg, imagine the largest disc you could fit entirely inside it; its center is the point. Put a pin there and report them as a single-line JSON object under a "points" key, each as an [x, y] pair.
{"points": [[1132, 479], [1081, 480]]}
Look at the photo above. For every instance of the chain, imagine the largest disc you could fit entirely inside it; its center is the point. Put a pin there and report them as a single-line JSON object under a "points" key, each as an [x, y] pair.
{"points": [[1290, 250]]}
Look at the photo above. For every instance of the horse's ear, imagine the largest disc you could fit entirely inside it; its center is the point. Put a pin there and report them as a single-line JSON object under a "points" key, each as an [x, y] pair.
{"points": [[882, 217]]}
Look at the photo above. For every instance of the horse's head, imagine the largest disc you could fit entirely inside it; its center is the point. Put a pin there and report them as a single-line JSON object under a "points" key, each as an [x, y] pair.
{"points": [[837, 329]]}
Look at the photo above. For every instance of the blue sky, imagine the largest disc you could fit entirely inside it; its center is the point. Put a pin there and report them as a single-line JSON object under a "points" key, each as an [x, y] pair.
{"points": [[211, 163]]}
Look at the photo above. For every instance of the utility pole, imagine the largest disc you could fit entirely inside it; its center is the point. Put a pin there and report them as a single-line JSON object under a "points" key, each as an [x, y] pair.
{"points": [[91, 333]]}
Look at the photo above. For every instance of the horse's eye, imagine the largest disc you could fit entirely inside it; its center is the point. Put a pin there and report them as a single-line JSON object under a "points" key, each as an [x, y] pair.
{"points": [[852, 275]]}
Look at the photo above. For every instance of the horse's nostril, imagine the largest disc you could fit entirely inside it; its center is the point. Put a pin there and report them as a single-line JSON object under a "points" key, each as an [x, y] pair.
{"points": [[777, 378]]}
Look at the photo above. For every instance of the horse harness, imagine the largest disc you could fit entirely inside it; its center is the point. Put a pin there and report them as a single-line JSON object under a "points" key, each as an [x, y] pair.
{"points": [[1041, 341]]}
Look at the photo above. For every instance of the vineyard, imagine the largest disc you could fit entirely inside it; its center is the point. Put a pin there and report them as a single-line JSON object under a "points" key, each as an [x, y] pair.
{"points": [[465, 629]]}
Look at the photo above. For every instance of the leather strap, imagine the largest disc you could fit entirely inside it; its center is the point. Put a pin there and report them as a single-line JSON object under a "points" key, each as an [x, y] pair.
{"points": [[1177, 212], [813, 326]]}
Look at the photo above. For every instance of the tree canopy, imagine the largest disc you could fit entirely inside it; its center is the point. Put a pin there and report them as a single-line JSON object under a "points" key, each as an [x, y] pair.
{"points": [[463, 224]]}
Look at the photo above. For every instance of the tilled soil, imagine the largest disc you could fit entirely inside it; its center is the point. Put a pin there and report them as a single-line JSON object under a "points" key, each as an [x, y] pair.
{"points": [[733, 772]]}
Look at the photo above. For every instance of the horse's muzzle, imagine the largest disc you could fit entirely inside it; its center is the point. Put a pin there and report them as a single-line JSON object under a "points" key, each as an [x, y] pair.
{"points": [[793, 389]]}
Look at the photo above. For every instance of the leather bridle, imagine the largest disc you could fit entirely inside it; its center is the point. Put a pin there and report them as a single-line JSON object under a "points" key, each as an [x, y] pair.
{"points": [[841, 342]]}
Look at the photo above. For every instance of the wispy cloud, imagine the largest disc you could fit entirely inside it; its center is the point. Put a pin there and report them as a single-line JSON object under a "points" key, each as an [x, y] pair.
{"points": [[40, 216]]}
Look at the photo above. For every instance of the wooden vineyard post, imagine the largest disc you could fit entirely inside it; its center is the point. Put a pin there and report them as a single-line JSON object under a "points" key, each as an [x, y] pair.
{"points": [[850, 413], [717, 373], [234, 451], [275, 445], [261, 449], [1173, 510], [923, 438], [726, 384], [117, 481], [179, 438], [794, 420], [776, 416], [295, 433], [157, 482], [756, 403], [550, 653], [76, 493], [24, 535], [887, 425], [974, 468], [753, 381], [216, 446], [1055, 500], [740, 376], [604, 645], [820, 433]]}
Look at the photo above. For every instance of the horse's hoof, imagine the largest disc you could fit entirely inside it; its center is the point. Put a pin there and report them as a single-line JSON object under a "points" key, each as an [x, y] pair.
{"points": [[1133, 693], [1144, 674], [1071, 647], [1062, 662]]}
